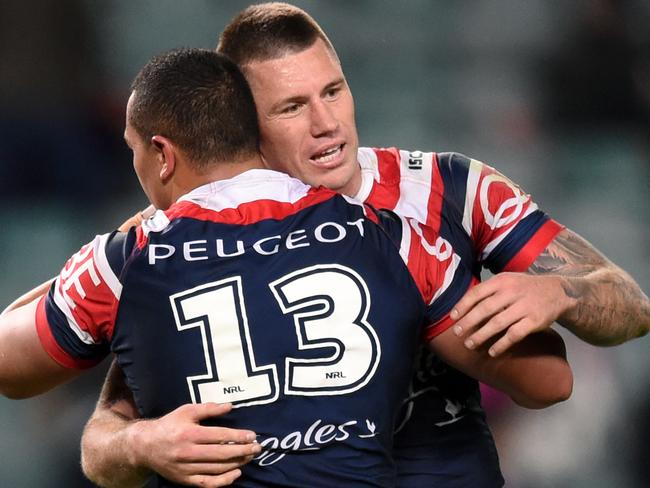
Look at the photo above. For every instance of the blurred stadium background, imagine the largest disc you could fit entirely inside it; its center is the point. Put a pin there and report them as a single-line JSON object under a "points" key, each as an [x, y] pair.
{"points": [[554, 94]]}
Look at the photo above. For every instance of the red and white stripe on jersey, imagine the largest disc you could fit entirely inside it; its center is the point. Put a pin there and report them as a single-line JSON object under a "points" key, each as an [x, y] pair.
{"points": [[244, 199], [408, 183], [493, 206], [432, 263], [86, 293]]}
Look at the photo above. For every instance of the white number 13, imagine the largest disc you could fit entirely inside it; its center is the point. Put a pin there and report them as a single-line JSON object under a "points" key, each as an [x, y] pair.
{"points": [[329, 304]]}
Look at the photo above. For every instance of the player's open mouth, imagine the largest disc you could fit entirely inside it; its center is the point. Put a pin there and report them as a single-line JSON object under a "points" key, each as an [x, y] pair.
{"points": [[329, 157]]}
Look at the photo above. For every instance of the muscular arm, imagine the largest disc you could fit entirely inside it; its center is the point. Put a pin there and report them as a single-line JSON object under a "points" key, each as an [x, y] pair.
{"points": [[570, 282], [606, 306], [106, 458], [25, 368], [534, 372], [120, 450]]}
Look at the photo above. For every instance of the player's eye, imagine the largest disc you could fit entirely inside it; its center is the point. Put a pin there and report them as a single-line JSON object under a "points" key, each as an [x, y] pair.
{"points": [[290, 109], [333, 92]]}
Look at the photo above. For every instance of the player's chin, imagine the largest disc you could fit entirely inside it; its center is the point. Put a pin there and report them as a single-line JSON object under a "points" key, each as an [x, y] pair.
{"points": [[335, 179], [339, 177]]}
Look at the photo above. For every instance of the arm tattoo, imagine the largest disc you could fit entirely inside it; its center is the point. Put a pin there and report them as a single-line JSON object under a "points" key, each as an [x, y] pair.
{"points": [[610, 307], [568, 255]]}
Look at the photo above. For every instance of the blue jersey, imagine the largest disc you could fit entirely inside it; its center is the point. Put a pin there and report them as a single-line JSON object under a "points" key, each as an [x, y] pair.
{"points": [[442, 437], [289, 302]]}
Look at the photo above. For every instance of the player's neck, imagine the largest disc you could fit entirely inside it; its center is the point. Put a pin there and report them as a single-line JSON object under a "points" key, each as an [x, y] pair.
{"points": [[353, 186], [217, 172], [227, 170]]}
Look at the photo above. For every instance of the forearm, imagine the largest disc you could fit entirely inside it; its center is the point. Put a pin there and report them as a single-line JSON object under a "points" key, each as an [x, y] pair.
{"points": [[119, 450], [112, 437], [107, 455], [534, 372], [605, 306]]}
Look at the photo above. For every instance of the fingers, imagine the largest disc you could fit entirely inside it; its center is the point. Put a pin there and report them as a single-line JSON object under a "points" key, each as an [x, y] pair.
{"points": [[201, 411], [148, 212], [222, 436], [501, 321], [213, 468], [233, 455], [492, 317], [481, 314], [505, 309], [137, 219], [214, 481], [513, 335], [131, 222], [507, 325], [473, 296]]}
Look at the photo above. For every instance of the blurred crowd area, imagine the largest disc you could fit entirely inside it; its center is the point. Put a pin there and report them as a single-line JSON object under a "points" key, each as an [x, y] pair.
{"points": [[556, 95]]}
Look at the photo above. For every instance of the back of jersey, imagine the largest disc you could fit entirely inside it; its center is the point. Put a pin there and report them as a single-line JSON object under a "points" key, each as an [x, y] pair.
{"points": [[290, 304]]}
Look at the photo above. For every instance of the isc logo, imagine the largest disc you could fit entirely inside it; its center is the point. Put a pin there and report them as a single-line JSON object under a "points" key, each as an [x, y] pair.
{"points": [[415, 160]]}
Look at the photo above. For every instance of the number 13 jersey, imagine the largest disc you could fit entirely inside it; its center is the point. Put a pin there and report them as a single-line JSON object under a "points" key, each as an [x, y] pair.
{"points": [[301, 307]]}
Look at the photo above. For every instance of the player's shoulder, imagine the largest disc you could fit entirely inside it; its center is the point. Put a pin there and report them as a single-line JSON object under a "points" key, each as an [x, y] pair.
{"points": [[111, 249], [394, 159], [398, 163], [454, 160], [245, 199]]}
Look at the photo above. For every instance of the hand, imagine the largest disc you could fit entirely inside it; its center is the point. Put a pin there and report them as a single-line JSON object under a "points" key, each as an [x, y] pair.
{"points": [[178, 448], [507, 308], [137, 219]]}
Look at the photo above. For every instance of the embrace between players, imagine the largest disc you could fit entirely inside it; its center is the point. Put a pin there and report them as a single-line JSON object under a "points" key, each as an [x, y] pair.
{"points": [[271, 333]]}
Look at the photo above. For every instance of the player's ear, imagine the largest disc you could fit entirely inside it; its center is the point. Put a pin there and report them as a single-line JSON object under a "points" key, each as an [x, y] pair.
{"points": [[165, 155]]}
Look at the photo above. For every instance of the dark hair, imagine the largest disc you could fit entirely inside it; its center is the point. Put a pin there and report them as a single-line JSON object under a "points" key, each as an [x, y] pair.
{"points": [[269, 31], [200, 100]]}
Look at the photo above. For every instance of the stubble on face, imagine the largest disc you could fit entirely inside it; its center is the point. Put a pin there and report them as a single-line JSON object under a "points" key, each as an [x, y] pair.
{"points": [[306, 117]]}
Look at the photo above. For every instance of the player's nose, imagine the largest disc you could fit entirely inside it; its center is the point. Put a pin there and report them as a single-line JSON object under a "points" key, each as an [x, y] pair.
{"points": [[323, 119]]}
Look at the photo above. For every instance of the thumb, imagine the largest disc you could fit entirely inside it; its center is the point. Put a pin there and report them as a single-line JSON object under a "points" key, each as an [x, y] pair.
{"points": [[200, 411]]}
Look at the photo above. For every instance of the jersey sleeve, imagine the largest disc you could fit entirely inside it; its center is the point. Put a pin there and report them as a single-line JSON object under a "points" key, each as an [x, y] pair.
{"points": [[75, 319], [438, 271], [506, 228]]}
